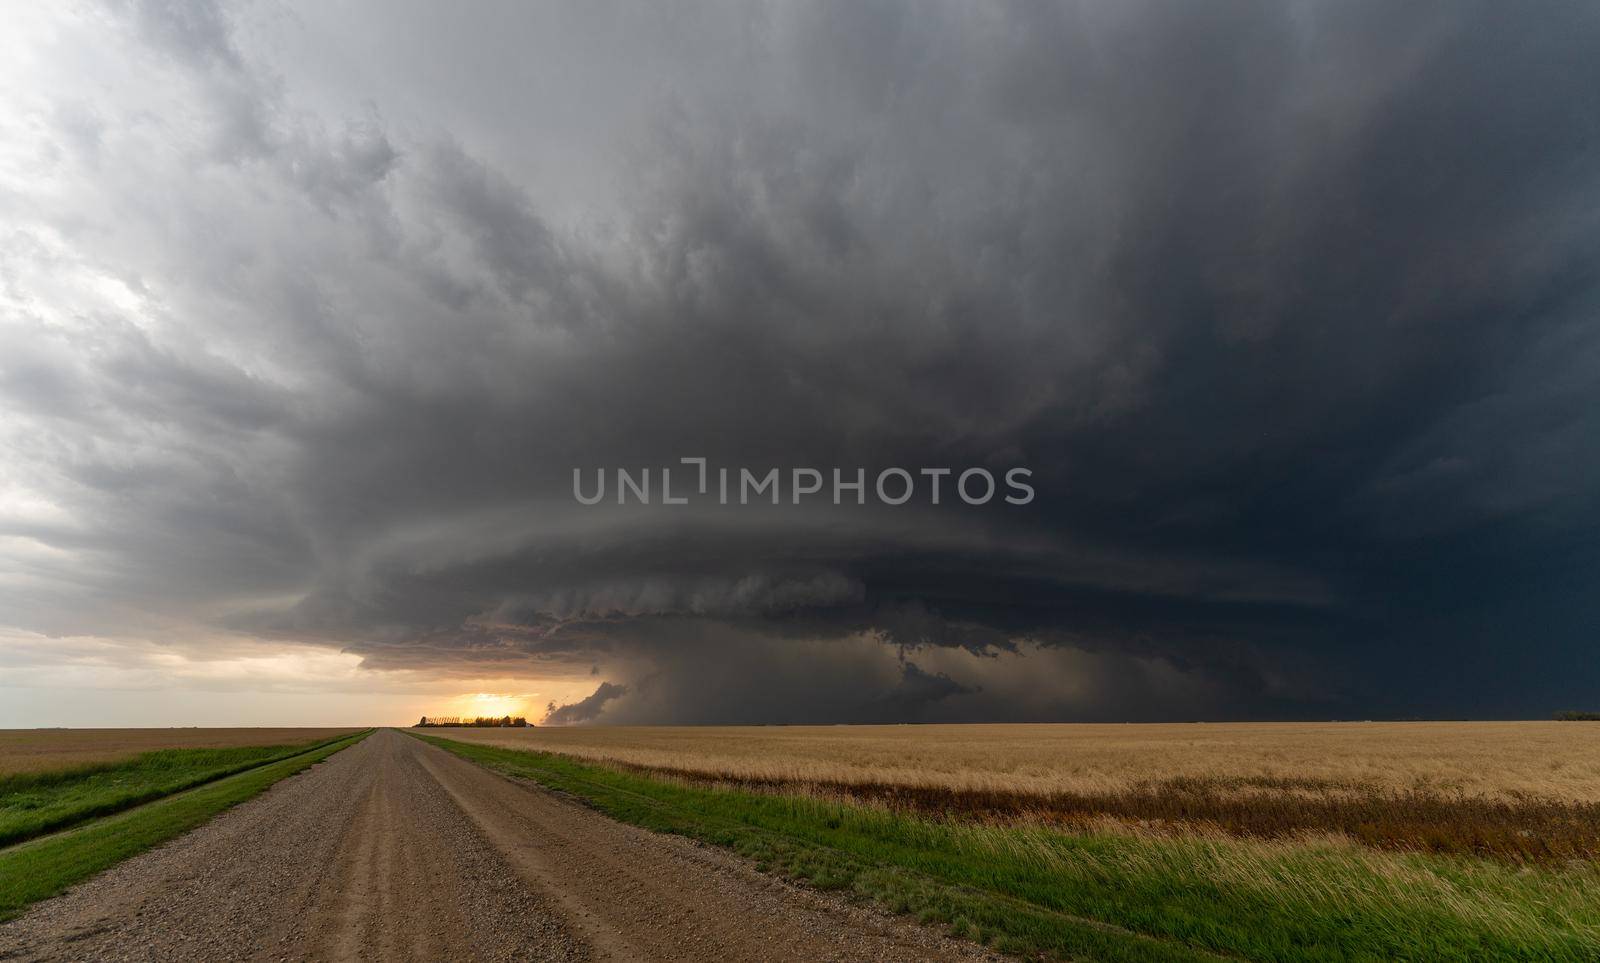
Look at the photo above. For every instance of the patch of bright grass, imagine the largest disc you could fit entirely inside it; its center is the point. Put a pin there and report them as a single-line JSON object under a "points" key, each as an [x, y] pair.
{"points": [[41, 868], [33, 804], [1113, 894]]}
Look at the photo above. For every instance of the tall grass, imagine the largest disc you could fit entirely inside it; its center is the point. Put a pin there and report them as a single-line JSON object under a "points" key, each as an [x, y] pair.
{"points": [[1516, 830]]}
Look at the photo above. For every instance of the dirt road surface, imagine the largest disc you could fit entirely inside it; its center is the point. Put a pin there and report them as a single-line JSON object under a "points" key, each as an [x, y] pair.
{"points": [[396, 850]]}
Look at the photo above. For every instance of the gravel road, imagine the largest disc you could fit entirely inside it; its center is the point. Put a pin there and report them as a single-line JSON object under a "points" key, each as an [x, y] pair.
{"points": [[395, 850]]}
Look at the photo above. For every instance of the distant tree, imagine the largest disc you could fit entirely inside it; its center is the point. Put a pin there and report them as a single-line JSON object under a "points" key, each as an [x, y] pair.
{"points": [[1572, 716], [480, 722]]}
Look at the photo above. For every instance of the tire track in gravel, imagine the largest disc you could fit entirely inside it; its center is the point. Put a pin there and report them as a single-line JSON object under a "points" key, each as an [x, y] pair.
{"points": [[397, 850]]}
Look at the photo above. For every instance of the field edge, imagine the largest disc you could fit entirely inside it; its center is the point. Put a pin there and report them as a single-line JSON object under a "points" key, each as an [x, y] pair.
{"points": [[1000, 897], [46, 866], [122, 803], [990, 919]]}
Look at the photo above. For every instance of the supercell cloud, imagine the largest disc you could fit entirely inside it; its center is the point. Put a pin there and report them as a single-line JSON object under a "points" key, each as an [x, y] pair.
{"points": [[308, 313]]}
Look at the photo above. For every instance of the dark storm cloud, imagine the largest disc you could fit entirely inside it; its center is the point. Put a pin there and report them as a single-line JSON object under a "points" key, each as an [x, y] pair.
{"points": [[1290, 309], [586, 709]]}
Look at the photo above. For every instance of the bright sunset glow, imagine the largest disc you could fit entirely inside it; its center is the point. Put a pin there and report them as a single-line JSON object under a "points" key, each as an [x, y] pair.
{"points": [[493, 704]]}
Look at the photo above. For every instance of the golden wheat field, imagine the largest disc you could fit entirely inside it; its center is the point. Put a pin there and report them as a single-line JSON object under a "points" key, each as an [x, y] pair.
{"points": [[1501, 760], [1521, 791], [41, 750]]}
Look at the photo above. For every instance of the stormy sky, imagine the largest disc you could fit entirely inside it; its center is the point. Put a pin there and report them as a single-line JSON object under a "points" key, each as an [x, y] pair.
{"points": [[308, 312]]}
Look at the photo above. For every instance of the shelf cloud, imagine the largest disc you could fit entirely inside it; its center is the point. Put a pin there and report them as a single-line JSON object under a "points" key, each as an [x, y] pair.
{"points": [[307, 317]]}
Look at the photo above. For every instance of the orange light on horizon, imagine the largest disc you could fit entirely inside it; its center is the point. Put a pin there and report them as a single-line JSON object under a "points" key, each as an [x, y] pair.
{"points": [[492, 704]]}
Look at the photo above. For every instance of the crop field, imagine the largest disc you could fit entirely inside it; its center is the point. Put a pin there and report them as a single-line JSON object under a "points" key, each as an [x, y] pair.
{"points": [[1112, 886], [1114, 843], [1520, 791], [1275, 842], [1506, 760], [62, 825], [44, 750], [42, 800]]}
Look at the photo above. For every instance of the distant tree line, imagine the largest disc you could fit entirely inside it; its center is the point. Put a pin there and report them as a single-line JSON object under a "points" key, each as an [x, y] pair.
{"points": [[1578, 716], [481, 722]]}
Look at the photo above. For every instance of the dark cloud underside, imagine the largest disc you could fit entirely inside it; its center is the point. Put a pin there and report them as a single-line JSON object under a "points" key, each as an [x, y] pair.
{"points": [[306, 317]]}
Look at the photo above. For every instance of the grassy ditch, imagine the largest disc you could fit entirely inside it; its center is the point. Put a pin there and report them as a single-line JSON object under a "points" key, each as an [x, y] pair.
{"points": [[1113, 893], [33, 804], [43, 867]]}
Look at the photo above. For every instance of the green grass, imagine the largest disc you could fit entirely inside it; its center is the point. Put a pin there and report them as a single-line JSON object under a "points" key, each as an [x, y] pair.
{"points": [[43, 867], [33, 804], [1114, 895]]}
